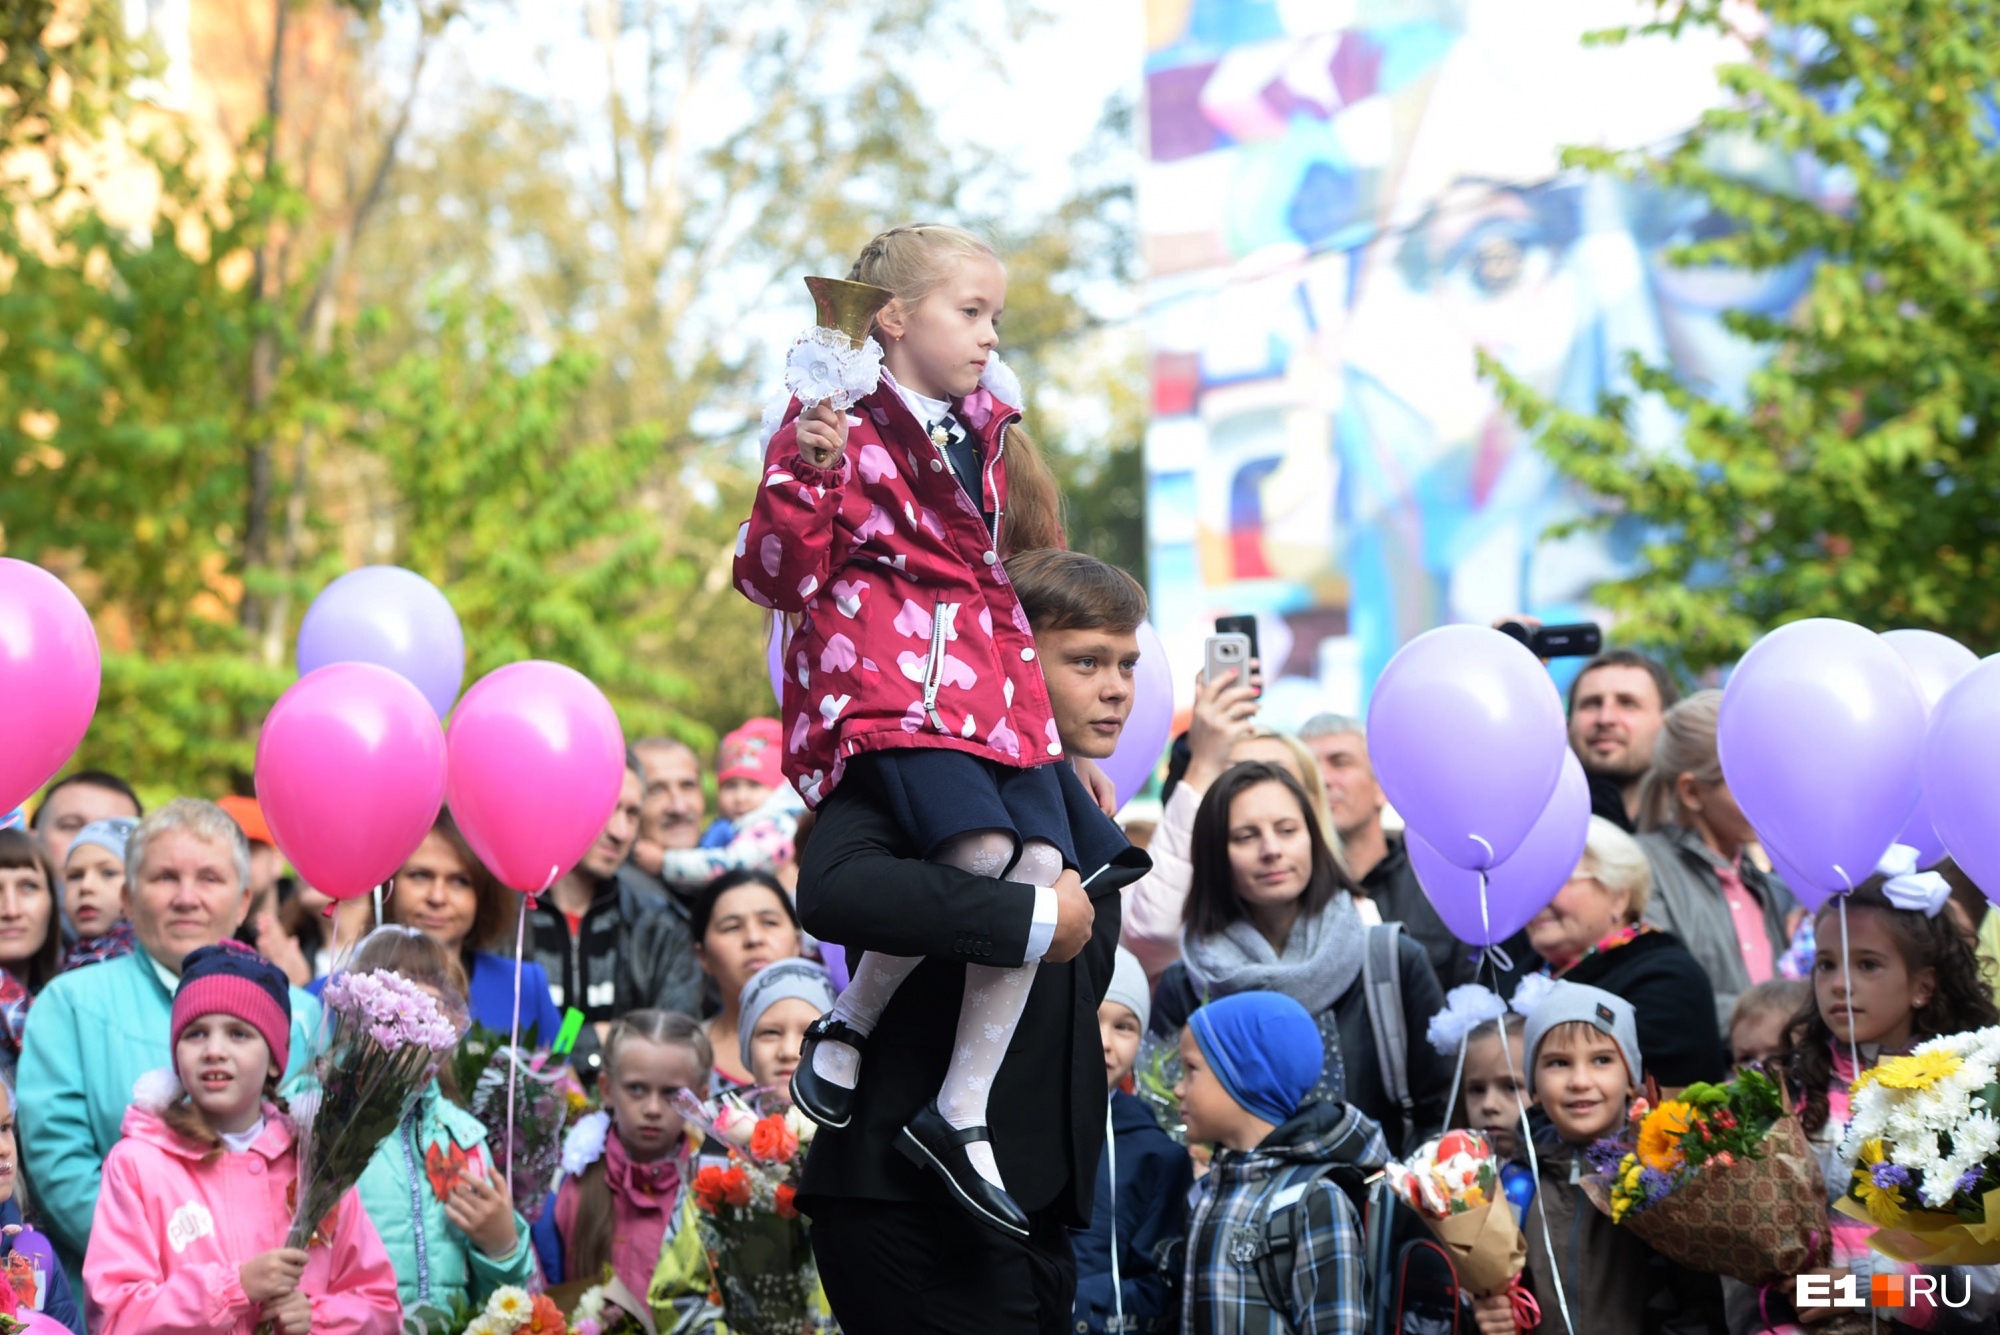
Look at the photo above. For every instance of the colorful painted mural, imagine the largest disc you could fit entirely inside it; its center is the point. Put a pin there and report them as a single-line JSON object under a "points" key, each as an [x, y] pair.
{"points": [[1342, 200]]}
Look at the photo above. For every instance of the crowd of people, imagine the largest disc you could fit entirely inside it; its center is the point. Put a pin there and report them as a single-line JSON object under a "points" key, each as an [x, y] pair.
{"points": [[679, 943], [1065, 1074]]}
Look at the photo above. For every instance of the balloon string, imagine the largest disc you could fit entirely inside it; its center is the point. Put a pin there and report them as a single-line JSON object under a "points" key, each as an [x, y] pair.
{"points": [[1497, 956], [514, 1038], [1457, 1076], [1847, 986]]}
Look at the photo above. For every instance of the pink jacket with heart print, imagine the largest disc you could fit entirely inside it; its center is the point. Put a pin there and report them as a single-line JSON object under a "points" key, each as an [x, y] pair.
{"points": [[175, 1222], [909, 633]]}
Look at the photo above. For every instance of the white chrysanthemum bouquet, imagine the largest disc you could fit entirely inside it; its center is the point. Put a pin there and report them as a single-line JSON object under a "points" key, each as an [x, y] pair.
{"points": [[1924, 1142]]}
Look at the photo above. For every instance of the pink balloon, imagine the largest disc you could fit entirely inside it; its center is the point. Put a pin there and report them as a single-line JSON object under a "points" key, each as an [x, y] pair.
{"points": [[350, 774], [1936, 661], [537, 761], [49, 675], [1520, 887], [1150, 723]]}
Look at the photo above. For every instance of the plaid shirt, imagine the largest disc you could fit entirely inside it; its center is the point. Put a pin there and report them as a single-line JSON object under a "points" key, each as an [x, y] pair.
{"points": [[1226, 1231]]}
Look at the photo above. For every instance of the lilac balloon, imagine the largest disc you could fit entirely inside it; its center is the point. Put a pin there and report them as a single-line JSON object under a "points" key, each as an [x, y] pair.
{"points": [[1961, 769], [49, 677], [1810, 895], [1466, 735], [1150, 723], [834, 957], [774, 661], [1520, 887], [1936, 661], [392, 618], [1819, 734]]}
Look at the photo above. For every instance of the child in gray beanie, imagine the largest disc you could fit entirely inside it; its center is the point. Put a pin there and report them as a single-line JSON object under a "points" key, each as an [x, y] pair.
{"points": [[1584, 1069], [1139, 1210]]}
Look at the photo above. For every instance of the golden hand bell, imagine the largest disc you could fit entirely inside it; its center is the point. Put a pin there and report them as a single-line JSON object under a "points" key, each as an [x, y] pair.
{"points": [[848, 307]]}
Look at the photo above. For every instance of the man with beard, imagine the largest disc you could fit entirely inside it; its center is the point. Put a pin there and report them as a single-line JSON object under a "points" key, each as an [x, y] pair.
{"points": [[1616, 706]]}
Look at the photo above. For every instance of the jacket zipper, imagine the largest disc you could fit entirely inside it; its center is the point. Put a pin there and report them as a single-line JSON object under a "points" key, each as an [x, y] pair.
{"points": [[986, 477], [417, 1208], [943, 614]]}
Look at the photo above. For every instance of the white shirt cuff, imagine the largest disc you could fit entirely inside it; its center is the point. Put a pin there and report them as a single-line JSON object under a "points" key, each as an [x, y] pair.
{"points": [[1042, 930]]}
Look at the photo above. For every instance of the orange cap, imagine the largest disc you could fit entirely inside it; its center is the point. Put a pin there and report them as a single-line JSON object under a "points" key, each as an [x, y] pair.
{"points": [[246, 813]]}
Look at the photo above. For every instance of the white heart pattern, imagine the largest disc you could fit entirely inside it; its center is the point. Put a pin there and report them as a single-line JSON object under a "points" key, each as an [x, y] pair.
{"points": [[913, 621], [839, 654], [801, 728], [847, 596], [830, 707], [771, 551]]}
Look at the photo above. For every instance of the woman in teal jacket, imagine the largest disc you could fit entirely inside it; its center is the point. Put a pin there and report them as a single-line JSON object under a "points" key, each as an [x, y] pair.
{"points": [[432, 1189]]}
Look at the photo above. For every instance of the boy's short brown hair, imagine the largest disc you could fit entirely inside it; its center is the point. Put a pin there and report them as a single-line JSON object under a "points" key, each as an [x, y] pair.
{"points": [[1064, 590]]}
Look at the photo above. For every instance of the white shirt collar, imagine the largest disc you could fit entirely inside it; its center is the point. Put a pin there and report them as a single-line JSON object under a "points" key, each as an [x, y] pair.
{"points": [[238, 1141], [922, 407]]}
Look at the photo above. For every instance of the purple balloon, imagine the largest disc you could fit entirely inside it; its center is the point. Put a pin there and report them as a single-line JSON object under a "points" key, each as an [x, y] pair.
{"points": [[1819, 733], [1150, 723], [1466, 735], [1936, 661], [1961, 774], [1808, 894], [1520, 887], [834, 957], [393, 618], [774, 661]]}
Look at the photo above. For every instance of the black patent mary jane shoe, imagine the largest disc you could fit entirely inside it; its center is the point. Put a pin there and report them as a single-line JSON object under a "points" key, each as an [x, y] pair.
{"points": [[931, 1142], [829, 1104]]}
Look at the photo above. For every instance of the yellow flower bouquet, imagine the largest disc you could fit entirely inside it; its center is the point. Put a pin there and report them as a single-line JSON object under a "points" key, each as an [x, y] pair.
{"points": [[1924, 1143], [1720, 1180]]}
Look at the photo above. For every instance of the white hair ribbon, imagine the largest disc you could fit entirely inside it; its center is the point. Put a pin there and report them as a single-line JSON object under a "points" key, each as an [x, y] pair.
{"points": [[1922, 892], [1465, 1009]]}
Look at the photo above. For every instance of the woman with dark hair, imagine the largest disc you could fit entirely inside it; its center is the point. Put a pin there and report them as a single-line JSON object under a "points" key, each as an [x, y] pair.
{"points": [[742, 921], [31, 947], [1269, 910], [446, 892]]}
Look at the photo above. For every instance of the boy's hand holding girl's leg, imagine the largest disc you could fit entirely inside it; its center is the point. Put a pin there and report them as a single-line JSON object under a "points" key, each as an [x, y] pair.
{"points": [[1098, 784], [822, 436], [483, 1213]]}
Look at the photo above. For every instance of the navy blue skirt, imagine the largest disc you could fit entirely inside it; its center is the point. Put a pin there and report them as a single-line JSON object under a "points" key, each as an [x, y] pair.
{"points": [[937, 794]]}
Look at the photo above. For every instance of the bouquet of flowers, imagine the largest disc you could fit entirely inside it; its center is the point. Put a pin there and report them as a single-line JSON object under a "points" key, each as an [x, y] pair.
{"points": [[510, 1311], [606, 1309], [1925, 1145], [755, 1238], [1720, 1180], [1454, 1183], [547, 1098], [386, 1038]]}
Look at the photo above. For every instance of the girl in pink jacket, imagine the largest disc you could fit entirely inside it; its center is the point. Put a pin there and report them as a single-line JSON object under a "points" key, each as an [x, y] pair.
{"points": [[912, 671], [190, 1226]]}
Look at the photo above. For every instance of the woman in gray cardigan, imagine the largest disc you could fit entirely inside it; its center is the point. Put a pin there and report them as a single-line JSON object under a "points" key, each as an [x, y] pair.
{"points": [[1735, 918]]}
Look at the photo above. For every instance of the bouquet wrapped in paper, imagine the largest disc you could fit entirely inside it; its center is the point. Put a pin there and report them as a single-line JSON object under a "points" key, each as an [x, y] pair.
{"points": [[1924, 1142], [547, 1098], [756, 1240], [1454, 1183], [1720, 1180], [385, 1040]]}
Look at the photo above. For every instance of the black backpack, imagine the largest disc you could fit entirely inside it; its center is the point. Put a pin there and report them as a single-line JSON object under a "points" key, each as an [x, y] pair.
{"points": [[1410, 1286]]}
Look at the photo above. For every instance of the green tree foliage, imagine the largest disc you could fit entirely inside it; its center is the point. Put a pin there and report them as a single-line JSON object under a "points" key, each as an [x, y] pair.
{"points": [[537, 391], [1858, 479]]}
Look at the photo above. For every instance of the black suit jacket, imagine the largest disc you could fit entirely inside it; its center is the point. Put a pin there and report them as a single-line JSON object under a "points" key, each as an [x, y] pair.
{"points": [[862, 883]]}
